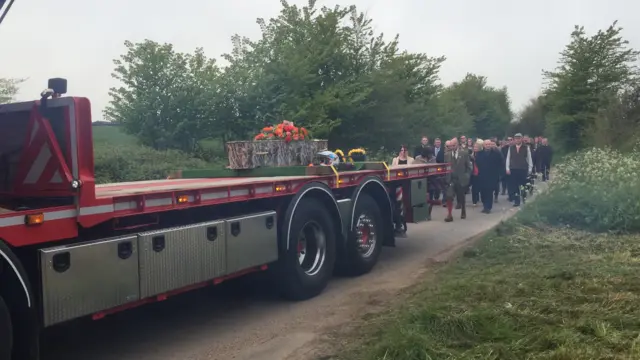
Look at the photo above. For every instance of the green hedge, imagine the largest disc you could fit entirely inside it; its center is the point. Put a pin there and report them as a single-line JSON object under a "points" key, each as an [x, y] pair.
{"points": [[127, 162], [596, 189]]}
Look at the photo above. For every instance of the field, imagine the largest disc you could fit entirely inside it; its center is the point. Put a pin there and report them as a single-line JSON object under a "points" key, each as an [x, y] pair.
{"points": [[111, 135], [118, 157]]}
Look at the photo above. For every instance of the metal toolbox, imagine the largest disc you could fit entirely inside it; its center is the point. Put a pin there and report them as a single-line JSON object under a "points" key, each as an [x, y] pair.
{"points": [[174, 258], [418, 192], [251, 240], [83, 279]]}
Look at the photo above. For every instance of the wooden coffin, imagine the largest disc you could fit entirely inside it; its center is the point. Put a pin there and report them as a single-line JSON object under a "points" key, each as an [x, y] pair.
{"points": [[262, 153]]}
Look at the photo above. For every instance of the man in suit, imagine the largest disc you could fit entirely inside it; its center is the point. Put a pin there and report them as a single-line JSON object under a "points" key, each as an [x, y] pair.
{"points": [[496, 158], [543, 158], [505, 177], [425, 150], [438, 153], [458, 178]]}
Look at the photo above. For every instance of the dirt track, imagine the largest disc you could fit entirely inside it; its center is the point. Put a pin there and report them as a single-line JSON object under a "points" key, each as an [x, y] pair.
{"points": [[246, 320]]}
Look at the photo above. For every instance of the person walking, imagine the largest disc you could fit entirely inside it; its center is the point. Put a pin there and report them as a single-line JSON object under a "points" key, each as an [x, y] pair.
{"points": [[498, 158], [519, 165], [441, 160], [457, 179], [489, 164], [505, 178], [424, 149], [474, 184], [545, 155]]}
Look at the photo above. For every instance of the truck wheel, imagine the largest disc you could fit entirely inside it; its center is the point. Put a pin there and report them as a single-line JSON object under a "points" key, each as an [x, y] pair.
{"points": [[306, 267], [364, 242], [6, 335]]}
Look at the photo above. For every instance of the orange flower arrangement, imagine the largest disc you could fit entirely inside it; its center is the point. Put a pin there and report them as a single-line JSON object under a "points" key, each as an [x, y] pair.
{"points": [[284, 131]]}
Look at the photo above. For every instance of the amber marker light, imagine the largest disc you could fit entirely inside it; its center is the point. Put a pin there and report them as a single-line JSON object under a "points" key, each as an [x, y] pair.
{"points": [[183, 199], [34, 219]]}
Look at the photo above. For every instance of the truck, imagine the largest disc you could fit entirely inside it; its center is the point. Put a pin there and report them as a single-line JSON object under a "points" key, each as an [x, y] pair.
{"points": [[71, 248]]}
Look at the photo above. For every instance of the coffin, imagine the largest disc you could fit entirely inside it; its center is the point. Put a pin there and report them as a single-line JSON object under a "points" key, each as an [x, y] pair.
{"points": [[261, 153]]}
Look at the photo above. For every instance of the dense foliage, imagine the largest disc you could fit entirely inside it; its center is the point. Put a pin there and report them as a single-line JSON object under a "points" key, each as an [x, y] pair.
{"points": [[596, 189], [321, 66], [592, 97]]}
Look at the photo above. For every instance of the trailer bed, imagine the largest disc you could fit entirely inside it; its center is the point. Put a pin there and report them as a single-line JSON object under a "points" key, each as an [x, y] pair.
{"points": [[155, 186]]}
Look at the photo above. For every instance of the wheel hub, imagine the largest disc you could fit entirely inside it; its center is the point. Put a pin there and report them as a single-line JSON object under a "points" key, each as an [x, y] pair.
{"points": [[366, 236], [312, 248]]}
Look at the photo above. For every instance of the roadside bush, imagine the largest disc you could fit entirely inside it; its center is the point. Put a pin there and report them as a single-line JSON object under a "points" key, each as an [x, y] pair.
{"points": [[125, 162], [596, 189]]}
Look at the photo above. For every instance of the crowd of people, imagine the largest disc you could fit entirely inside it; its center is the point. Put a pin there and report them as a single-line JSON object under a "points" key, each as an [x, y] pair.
{"points": [[485, 168]]}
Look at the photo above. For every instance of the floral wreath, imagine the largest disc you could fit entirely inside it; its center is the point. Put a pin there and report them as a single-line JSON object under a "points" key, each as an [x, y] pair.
{"points": [[285, 131], [340, 154], [358, 152]]}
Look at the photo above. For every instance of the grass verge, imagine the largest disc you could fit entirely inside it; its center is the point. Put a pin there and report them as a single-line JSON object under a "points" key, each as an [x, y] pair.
{"points": [[521, 293], [558, 282]]}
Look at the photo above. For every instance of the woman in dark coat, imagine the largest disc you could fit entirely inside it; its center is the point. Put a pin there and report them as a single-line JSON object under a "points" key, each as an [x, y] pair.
{"points": [[475, 186], [489, 167]]}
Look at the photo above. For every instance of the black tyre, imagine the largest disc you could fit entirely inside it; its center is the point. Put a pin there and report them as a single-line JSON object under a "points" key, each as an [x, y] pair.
{"points": [[364, 242], [305, 268], [6, 334]]}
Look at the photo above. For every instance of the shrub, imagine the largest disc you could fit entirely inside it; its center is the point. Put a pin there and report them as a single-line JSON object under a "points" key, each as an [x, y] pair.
{"points": [[127, 162], [596, 189]]}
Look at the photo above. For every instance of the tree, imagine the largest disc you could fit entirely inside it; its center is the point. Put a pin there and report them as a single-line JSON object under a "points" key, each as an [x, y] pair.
{"points": [[449, 116], [9, 89], [166, 97], [490, 108], [532, 119], [326, 69], [323, 68], [592, 74]]}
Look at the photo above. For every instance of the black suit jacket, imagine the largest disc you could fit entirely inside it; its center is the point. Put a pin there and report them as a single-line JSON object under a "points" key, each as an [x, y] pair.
{"points": [[440, 156]]}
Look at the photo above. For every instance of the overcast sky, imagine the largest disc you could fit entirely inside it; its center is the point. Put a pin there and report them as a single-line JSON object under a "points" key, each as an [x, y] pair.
{"points": [[509, 41]]}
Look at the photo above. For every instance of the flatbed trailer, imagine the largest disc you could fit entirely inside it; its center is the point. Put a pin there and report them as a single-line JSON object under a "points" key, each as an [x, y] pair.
{"points": [[70, 248]]}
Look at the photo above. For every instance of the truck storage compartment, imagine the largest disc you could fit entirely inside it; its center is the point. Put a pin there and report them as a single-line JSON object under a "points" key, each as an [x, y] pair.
{"points": [[82, 279], [251, 240], [420, 213], [174, 258], [419, 206], [418, 192]]}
